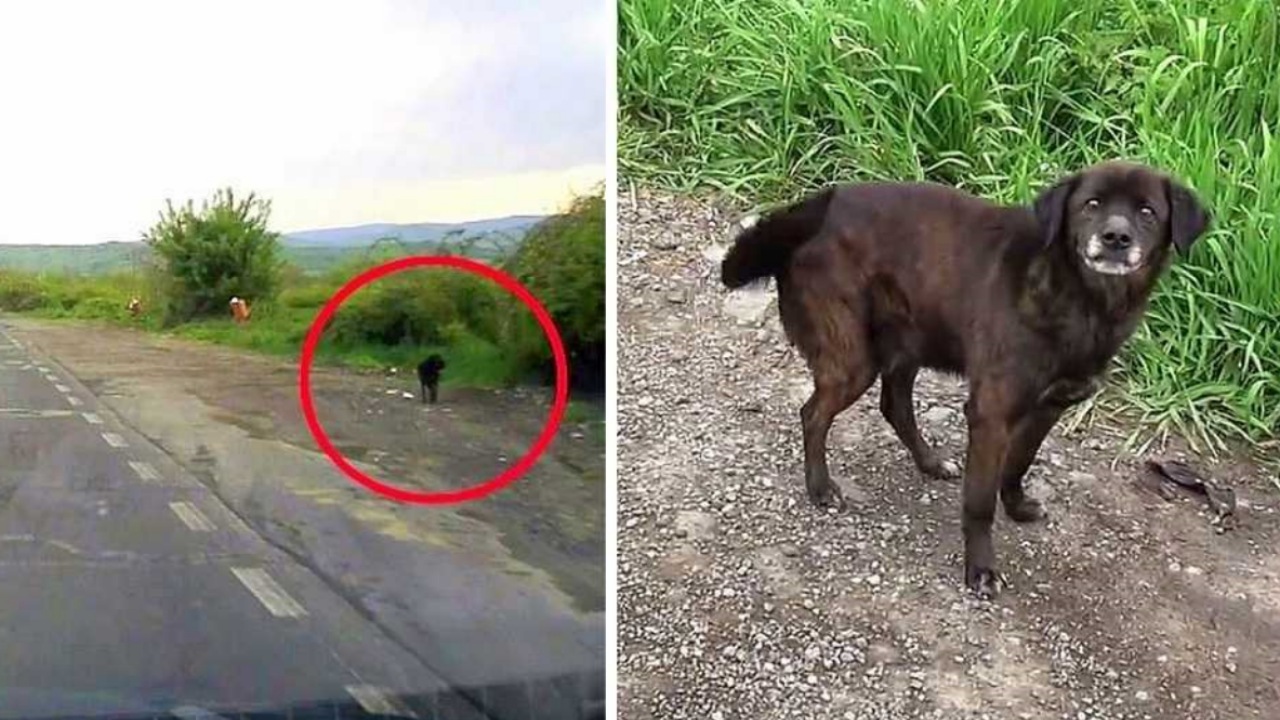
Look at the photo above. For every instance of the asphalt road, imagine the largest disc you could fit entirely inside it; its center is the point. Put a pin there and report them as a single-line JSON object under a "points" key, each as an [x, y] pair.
{"points": [[128, 587]]}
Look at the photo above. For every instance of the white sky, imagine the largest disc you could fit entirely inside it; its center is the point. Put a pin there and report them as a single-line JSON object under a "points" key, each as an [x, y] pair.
{"points": [[339, 112]]}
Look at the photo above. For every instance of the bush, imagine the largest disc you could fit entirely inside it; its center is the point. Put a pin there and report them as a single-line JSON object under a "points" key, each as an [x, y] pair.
{"points": [[205, 258], [20, 292], [562, 262]]}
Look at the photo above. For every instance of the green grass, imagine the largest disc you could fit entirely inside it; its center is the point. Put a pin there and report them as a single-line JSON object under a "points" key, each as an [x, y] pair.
{"points": [[764, 99], [276, 328]]}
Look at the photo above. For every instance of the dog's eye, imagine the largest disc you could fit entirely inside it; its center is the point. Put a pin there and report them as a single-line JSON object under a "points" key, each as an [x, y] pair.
{"points": [[1092, 204], [1147, 210]]}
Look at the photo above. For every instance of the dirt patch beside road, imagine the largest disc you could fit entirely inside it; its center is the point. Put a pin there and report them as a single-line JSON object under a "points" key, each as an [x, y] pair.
{"points": [[737, 599]]}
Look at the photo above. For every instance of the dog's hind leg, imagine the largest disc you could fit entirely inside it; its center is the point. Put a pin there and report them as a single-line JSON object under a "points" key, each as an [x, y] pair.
{"points": [[896, 405], [837, 385]]}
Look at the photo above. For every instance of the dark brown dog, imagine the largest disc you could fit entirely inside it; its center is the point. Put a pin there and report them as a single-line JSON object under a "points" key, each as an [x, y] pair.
{"points": [[1029, 303]]}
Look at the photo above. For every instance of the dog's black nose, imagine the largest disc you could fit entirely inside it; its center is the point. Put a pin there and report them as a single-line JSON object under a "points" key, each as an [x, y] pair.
{"points": [[1116, 239]]}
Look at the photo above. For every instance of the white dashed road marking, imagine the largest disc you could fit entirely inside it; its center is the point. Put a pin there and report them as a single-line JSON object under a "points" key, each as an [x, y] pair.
{"points": [[191, 516], [61, 388], [269, 592], [144, 470], [91, 418], [75, 401], [27, 412], [378, 701], [114, 440]]}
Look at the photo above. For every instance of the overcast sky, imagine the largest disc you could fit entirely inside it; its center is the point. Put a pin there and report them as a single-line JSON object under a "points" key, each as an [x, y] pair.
{"points": [[339, 112]]}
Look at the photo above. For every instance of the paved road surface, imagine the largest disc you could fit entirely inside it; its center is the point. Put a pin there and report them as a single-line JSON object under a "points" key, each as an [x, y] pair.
{"points": [[127, 586]]}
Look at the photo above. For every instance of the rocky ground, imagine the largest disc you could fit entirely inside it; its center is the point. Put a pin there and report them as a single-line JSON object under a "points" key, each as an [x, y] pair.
{"points": [[737, 599]]}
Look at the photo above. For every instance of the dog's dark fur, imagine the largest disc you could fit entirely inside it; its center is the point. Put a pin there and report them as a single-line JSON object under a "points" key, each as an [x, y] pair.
{"points": [[1027, 302], [429, 376]]}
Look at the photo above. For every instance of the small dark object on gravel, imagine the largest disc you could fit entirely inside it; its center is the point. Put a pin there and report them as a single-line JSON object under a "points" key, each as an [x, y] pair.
{"points": [[1222, 500]]}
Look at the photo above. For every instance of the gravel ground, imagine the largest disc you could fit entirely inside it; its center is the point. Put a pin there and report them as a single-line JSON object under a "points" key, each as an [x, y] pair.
{"points": [[737, 599]]}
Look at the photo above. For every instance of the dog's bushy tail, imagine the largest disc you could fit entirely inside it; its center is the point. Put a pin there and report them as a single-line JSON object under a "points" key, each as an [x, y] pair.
{"points": [[763, 249]]}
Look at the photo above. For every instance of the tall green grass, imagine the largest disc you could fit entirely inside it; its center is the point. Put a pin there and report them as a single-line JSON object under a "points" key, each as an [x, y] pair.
{"points": [[763, 99]]}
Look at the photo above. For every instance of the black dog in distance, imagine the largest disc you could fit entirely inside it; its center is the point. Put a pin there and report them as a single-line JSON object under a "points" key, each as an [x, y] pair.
{"points": [[429, 376]]}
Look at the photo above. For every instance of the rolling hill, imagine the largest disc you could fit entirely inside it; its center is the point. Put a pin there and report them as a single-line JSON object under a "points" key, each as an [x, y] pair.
{"points": [[310, 250]]}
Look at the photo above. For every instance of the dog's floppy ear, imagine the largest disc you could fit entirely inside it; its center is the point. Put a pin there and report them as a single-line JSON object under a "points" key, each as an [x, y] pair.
{"points": [[1050, 207], [1188, 219]]}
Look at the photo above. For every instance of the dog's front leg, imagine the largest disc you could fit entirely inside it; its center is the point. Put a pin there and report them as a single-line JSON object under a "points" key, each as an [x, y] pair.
{"points": [[1028, 434], [991, 429]]}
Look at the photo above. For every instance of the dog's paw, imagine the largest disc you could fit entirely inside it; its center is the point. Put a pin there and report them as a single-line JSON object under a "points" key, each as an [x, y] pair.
{"points": [[828, 497], [941, 469], [1025, 510], [985, 583]]}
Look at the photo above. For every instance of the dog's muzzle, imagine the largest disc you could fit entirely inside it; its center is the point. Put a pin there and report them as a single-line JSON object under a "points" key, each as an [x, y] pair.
{"points": [[1111, 258]]}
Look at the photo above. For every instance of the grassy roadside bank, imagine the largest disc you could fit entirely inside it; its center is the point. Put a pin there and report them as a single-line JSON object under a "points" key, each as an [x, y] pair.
{"points": [[276, 328], [764, 100]]}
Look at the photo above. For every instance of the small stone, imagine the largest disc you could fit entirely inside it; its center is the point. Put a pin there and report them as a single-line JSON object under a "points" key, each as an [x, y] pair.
{"points": [[697, 524], [632, 522], [715, 253], [937, 415], [873, 580], [677, 297], [1142, 696], [748, 306]]}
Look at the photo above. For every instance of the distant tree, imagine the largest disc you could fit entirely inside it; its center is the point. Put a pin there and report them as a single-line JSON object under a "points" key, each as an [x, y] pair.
{"points": [[206, 257]]}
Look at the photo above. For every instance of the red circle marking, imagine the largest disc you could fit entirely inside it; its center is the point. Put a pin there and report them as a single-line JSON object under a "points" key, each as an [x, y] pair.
{"points": [[475, 492]]}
